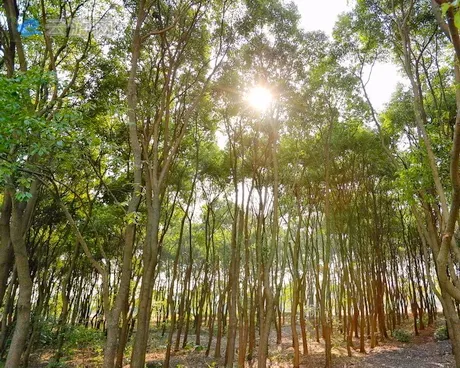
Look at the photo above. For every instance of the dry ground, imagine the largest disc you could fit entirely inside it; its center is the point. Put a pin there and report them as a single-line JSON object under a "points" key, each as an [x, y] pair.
{"points": [[422, 352]]}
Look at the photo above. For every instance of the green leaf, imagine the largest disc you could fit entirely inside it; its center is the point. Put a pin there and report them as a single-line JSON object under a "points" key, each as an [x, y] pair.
{"points": [[457, 19], [445, 7], [132, 218], [23, 196]]}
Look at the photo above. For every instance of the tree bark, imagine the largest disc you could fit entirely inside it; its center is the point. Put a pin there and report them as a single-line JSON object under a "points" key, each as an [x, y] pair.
{"points": [[20, 218]]}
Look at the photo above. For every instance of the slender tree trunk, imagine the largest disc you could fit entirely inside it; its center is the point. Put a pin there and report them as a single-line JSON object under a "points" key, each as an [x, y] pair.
{"points": [[220, 316], [6, 250], [233, 282], [121, 299], [326, 317], [21, 330], [21, 215], [8, 310], [145, 296], [267, 287], [244, 310], [170, 301], [295, 253], [303, 324], [65, 296]]}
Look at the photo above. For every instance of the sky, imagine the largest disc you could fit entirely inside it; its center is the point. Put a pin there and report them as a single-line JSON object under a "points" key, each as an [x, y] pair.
{"points": [[384, 77]]}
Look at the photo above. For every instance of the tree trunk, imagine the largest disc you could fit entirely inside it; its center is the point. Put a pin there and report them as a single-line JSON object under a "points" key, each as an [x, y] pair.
{"points": [[6, 250], [21, 330]]}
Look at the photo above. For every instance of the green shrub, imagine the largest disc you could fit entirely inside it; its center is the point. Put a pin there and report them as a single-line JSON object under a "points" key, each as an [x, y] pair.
{"points": [[190, 346], [199, 347], [80, 337], [56, 365], [77, 338], [441, 333], [47, 335], [401, 335], [153, 365]]}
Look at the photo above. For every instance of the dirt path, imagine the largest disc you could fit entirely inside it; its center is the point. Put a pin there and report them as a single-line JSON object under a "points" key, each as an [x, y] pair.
{"points": [[422, 352], [426, 355]]}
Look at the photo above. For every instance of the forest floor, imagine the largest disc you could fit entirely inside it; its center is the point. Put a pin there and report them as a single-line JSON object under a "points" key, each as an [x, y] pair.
{"points": [[421, 352]]}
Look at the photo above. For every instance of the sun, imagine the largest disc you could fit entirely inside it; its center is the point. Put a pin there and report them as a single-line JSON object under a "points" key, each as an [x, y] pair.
{"points": [[259, 98]]}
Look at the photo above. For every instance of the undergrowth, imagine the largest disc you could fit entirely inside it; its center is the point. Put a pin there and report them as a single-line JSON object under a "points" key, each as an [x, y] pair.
{"points": [[401, 335]]}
